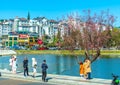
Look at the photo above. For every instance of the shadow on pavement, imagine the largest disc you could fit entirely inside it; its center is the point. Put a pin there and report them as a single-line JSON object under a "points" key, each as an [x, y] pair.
{"points": [[48, 78]]}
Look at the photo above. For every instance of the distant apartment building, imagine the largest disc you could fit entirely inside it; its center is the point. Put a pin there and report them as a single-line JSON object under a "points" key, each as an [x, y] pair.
{"points": [[0, 30], [47, 27], [35, 28], [23, 25], [5, 27], [39, 25], [0, 34]]}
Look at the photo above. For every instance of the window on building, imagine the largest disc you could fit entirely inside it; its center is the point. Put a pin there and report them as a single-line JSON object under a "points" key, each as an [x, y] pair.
{"points": [[36, 40], [10, 43], [15, 38], [10, 38], [15, 43], [35, 37], [6, 43], [31, 40]]}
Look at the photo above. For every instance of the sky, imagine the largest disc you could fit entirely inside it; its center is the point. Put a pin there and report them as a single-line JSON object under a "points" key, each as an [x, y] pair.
{"points": [[53, 9]]}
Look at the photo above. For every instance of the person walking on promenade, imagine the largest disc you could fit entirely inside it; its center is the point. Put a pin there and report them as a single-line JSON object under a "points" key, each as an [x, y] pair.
{"points": [[14, 65], [25, 66], [44, 67], [34, 66]]}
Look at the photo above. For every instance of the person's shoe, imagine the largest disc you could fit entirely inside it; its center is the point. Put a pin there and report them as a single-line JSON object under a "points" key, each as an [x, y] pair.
{"points": [[88, 78]]}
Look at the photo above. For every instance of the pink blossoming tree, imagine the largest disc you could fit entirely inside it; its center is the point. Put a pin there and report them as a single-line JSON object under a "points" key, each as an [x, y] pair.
{"points": [[90, 32]]}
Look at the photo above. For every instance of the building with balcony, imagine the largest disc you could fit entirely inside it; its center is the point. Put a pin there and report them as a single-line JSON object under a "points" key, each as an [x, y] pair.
{"points": [[11, 30], [23, 25]]}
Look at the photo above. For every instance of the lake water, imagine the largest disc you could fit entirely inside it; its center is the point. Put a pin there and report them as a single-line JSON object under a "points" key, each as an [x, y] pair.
{"points": [[67, 65]]}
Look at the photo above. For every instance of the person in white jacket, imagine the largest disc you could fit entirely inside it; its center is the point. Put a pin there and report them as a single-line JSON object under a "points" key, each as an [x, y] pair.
{"points": [[14, 66], [34, 66]]}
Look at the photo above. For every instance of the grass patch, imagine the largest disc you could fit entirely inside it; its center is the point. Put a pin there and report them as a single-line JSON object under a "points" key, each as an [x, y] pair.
{"points": [[65, 52]]}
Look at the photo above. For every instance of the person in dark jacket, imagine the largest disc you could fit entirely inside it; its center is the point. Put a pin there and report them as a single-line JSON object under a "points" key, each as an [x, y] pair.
{"points": [[44, 72], [25, 66]]}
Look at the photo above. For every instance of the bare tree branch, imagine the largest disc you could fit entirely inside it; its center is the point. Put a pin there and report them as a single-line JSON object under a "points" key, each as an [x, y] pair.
{"points": [[96, 55]]}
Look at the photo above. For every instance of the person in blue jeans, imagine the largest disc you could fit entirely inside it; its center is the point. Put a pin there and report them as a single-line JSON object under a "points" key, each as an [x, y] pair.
{"points": [[44, 67]]}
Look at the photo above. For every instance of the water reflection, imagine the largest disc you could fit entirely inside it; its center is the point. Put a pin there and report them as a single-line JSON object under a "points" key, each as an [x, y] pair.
{"points": [[67, 65]]}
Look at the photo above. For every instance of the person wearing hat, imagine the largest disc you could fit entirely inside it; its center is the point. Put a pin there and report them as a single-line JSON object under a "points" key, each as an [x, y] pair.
{"points": [[44, 67]]}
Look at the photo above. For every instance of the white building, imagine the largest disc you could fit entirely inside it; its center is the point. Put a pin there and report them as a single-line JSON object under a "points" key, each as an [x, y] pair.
{"points": [[40, 25], [5, 28], [23, 25], [47, 27], [0, 30]]}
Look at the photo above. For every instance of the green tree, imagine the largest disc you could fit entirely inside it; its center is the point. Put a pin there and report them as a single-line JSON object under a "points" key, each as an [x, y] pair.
{"points": [[115, 33]]}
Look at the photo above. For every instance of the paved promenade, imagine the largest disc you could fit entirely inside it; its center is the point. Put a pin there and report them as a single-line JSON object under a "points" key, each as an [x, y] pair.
{"points": [[55, 79]]}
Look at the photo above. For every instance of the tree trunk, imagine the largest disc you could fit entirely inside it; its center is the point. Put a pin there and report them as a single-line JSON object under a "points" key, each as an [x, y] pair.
{"points": [[96, 55]]}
